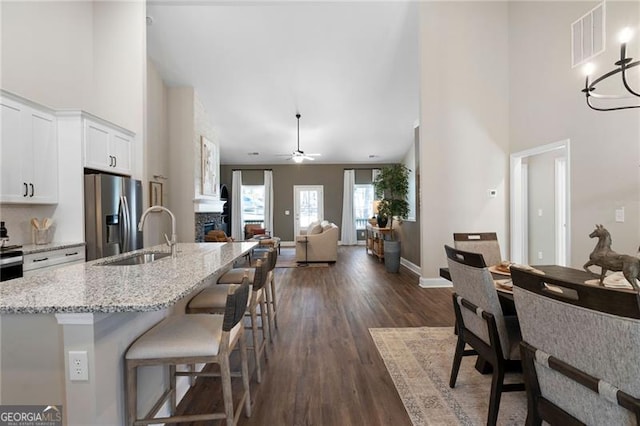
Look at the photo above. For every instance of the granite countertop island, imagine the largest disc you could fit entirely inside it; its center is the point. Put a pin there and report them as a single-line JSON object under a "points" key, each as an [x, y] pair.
{"points": [[94, 287]]}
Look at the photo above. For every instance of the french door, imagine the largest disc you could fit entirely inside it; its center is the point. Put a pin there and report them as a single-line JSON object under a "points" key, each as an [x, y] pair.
{"points": [[308, 201]]}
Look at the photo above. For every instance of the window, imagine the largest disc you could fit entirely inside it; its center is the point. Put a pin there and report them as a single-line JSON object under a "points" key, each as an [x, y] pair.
{"points": [[252, 204], [362, 204]]}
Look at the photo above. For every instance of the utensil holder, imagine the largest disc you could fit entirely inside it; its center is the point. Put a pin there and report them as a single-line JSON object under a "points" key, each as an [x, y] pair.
{"points": [[41, 236]]}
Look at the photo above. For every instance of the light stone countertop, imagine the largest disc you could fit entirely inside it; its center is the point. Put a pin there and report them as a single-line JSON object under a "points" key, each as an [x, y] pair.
{"points": [[93, 288], [41, 248]]}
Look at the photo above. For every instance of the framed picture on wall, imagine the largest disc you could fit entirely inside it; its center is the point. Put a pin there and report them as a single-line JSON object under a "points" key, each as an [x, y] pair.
{"points": [[209, 167], [155, 193]]}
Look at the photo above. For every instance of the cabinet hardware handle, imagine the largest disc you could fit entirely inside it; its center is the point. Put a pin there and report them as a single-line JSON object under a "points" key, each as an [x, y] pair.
{"points": [[41, 260], [26, 189], [71, 254], [31, 185], [115, 161]]}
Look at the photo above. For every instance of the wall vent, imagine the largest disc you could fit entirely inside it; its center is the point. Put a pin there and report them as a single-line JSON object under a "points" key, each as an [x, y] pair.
{"points": [[588, 36]]}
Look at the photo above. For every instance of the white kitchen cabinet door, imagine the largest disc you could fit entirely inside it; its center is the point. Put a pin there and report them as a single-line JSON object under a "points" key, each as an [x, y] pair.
{"points": [[106, 149], [12, 186], [29, 155], [96, 147], [120, 148], [44, 158]]}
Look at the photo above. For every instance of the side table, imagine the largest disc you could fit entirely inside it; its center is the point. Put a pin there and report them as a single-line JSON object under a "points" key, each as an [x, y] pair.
{"points": [[306, 253]]}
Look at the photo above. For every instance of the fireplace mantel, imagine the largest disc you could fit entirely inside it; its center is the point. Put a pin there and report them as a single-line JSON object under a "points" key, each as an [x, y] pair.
{"points": [[208, 205]]}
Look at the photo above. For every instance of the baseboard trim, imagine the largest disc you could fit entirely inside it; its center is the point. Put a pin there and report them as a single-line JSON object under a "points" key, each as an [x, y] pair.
{"points": [[435, 283], [410, 266]]}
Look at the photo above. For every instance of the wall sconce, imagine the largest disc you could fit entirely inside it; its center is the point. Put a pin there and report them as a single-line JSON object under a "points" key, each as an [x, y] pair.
{"points": [[621, 67]]}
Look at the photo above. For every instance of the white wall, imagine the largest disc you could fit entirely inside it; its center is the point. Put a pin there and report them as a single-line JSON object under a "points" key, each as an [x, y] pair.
{"points": [[47, 52], [464, 128], [181, 152], [157, 158], [546, 105]]}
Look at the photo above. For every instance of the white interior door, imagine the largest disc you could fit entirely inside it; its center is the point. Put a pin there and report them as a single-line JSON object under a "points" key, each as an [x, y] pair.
{"points": [[308, 201]]}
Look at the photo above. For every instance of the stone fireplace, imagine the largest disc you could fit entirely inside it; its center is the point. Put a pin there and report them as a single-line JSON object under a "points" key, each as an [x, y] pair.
{"points": [[206, 222]]}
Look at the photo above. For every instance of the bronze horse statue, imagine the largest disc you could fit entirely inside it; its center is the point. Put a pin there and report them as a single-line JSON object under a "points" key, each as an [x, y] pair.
{"points": [[609, 260]]}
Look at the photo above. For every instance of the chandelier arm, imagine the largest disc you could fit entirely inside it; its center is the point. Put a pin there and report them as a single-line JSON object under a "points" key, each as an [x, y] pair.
{"points": [[624, 77], [588, 98]]}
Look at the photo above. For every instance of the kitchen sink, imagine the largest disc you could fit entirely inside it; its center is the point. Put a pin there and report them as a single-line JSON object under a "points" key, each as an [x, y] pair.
{"points": [[137, 259]]}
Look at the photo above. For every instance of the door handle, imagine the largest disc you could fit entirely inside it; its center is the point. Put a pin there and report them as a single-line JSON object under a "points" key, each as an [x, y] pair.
{"points": [[31, 185]]}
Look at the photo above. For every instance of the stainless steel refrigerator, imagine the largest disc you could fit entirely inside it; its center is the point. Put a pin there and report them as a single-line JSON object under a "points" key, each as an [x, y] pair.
{"points": [[112, 210]]}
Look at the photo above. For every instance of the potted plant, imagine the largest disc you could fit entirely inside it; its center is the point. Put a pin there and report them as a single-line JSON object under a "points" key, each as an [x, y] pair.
{"points": [[392, 187]]}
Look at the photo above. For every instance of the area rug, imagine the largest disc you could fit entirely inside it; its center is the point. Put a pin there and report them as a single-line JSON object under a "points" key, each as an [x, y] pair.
{"points": [[419, 362]]}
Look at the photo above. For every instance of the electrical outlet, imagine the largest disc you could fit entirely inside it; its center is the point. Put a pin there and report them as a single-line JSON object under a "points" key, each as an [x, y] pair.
{"points": [[78, 366], [540, 255], [620, 215]]}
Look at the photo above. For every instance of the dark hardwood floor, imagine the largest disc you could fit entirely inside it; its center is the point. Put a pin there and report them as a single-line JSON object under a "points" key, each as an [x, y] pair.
{"points": [[323, 368]]}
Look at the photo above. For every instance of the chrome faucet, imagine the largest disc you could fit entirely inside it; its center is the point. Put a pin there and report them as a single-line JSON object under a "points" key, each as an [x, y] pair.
{"points": [[174, 239]]}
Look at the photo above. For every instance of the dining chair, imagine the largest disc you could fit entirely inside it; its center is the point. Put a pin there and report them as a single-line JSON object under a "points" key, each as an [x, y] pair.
{"points": [[485, 243], [211, 300], [580, 351], [481, 324], [191, 339]]}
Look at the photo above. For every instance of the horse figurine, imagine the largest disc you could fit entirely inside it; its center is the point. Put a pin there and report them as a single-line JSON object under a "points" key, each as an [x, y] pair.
{"points": [[609, 260]]}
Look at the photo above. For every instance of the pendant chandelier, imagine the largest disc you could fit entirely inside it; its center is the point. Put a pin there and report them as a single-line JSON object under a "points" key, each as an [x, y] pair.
{"points": [[606, 102]]}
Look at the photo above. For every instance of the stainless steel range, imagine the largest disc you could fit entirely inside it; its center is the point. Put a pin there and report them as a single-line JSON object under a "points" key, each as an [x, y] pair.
{"points": [[11, 260]]}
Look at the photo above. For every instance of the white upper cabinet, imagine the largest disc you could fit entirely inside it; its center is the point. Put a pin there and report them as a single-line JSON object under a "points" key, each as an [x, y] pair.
{"points": [[106, 148], [28, 154]]}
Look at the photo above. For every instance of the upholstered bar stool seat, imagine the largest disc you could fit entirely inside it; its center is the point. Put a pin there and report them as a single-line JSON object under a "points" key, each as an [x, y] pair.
{"points": [[214, 295], [235, 275], [182, 336], [192, 339]]}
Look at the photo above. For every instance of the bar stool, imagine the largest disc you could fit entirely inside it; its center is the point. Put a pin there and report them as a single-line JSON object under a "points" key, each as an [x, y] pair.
{"points": [[233, 276], [270, 293], [191, 339], [211, 301]]}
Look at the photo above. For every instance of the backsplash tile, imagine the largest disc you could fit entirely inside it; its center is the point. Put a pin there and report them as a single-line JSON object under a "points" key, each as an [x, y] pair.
{"points": [[17, 220]]}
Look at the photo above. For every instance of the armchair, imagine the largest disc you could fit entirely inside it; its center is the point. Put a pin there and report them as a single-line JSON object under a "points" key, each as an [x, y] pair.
{"points": [[322, 246], [253, 229]]}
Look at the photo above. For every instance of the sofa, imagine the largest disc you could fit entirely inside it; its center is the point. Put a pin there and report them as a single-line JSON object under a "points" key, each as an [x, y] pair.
{"points": [[319, 243]]}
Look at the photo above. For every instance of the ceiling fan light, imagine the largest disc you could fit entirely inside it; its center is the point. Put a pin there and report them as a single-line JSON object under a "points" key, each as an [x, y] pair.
{"points": [[297, 159]]}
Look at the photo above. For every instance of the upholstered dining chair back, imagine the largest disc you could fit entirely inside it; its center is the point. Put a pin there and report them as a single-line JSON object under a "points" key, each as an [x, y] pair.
{"points": [[236, 305], [472, 281], [485, 243], [581, 350]]}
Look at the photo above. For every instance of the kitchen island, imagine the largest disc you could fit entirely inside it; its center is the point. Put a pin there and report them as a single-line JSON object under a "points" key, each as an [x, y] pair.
{"points": [[100, 309]]}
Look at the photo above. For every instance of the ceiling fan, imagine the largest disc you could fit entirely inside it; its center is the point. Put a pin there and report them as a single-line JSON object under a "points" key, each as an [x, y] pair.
{"points": [[299, 156]]}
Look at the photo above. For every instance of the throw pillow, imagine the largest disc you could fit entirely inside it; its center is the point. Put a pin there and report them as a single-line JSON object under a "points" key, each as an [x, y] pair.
{"points": [[317, 229], [326, 226]]}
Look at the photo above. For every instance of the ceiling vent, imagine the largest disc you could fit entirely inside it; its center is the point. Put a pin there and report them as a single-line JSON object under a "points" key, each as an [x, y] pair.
{"points": [[588, 36]]}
